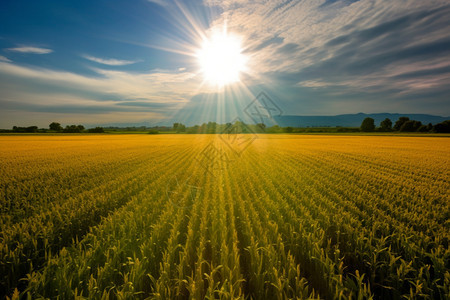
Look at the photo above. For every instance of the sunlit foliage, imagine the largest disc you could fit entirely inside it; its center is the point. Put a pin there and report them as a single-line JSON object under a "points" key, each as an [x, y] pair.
{"points": [[290, 216]]}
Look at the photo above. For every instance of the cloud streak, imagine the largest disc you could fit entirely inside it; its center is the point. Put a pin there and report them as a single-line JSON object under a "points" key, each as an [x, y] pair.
{"points": [[353, 45], [155, 93], [2, 58], [31, 50], [110, 62], [159, 2]]}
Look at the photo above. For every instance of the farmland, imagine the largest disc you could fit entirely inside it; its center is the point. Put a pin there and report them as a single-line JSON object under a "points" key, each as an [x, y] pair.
{"points": [[195, 216]]}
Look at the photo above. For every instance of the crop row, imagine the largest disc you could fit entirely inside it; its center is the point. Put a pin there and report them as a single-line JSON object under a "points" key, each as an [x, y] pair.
{"points": [[290, 218]]}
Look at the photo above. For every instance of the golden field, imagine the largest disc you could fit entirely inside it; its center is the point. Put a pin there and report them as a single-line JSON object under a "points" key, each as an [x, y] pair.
{"points": [[225, 217]]}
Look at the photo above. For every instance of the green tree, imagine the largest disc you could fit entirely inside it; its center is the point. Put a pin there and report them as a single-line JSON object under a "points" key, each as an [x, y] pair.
{"points": [[211, 127], [73, 128], [368, 125], [386, 125], [96, 130], [178, 127], [32, 129], [400, 122], [443, 127], [274, 129], [262, 126], [410, 126], [55, 126], [193, 129], [423, 128], [288, 129]]}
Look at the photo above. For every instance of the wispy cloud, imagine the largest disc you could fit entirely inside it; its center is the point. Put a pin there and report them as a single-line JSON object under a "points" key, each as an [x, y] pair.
{"points": [[31, 50], [159, 2], [111, 61], [152, 95], [2, 58], [349, 44]]}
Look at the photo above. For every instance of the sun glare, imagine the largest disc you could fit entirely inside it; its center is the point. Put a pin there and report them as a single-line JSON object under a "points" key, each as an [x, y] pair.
{"points": [[221, 59]]}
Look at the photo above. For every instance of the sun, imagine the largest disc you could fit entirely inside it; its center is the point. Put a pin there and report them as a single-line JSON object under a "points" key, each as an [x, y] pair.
{"points": [[221, 59]]}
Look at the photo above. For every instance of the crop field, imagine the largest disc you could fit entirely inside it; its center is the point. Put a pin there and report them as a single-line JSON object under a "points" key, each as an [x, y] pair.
{"points": [[220, 217]]}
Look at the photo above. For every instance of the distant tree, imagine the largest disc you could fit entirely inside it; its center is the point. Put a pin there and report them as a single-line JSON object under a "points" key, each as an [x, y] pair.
{"points": [[96, 130], [29, 129], [386, 125], [288, 129], [238, 123], [348, 129], [70, 129], [73, 129], [32, 129], [211, 127], [410, 126], [153, 131], [202, 128], [400, 122], [178, 127], [193, 129], [368, 125], [237, 128], [55, 126], [262, 126], [443, 127], [274, 129], [423, 128]]}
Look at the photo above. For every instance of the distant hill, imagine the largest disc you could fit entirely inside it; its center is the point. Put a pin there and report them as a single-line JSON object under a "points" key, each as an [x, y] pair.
{"points": [[351, 120]]}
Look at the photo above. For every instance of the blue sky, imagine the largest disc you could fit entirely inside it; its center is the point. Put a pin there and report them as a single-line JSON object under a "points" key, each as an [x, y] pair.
{"points": [[126, 62]]}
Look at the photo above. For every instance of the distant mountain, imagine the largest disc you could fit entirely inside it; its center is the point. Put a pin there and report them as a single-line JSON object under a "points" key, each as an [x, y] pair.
{"points": [[351, 120]]}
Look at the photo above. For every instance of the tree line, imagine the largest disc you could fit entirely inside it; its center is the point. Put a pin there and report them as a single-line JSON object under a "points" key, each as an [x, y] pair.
{"points": [[404, 124], [56, 127]]}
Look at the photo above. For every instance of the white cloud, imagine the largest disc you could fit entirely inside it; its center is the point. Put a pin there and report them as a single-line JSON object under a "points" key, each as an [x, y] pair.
{"points": [[367, 45], [2, 58], [156, 86], [31, 50], [110, 62], [314, 83], [115, 96]]}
